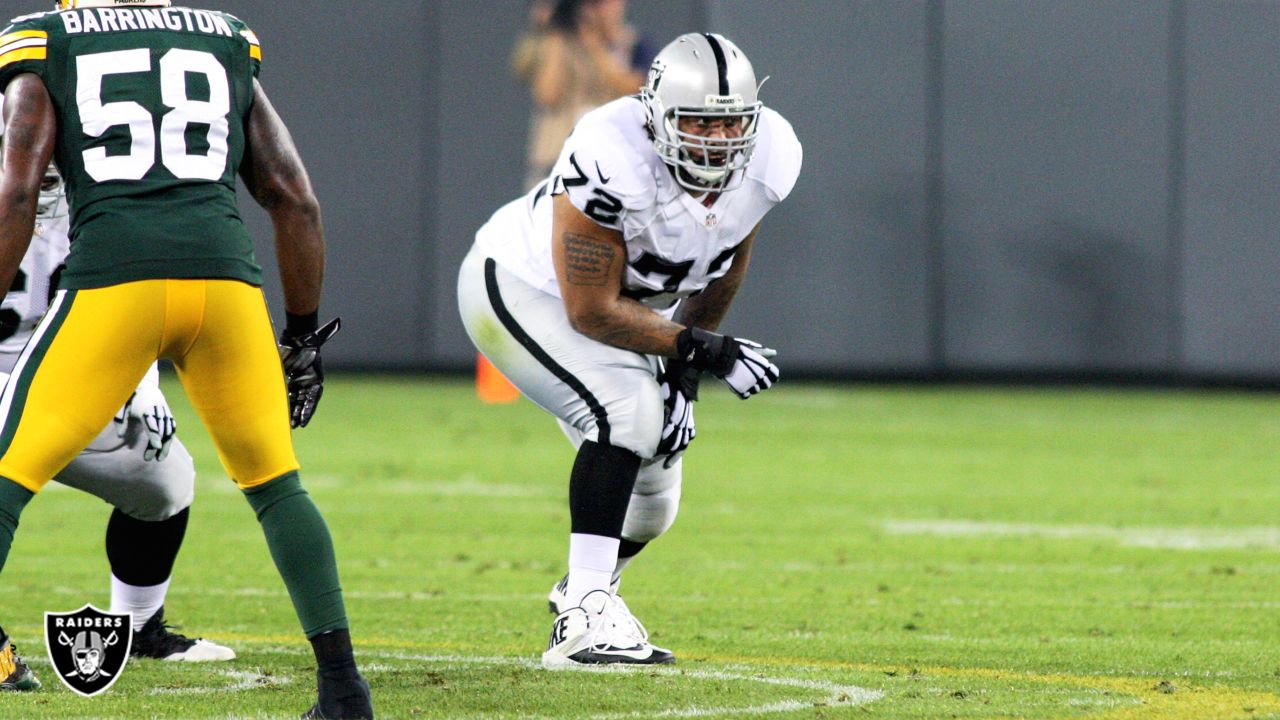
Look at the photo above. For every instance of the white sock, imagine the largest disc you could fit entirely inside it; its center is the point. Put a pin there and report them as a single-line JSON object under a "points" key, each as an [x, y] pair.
{"points": [[142, 601], [591, 562], [617, 571]]}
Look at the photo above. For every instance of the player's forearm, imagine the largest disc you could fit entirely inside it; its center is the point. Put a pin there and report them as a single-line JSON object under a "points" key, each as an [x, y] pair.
{"points": [[548, 74], [627, 324], [28, 148], [17, 217], [300, 254], [708, 309], [274, 174]]}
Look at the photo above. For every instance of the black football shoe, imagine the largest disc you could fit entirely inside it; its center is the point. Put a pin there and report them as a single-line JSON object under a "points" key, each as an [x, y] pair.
{"points": [[157, 640], [342, 695]]}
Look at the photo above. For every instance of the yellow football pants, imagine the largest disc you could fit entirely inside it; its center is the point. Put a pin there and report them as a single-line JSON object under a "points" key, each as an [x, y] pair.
{"points": [[93, 347]]}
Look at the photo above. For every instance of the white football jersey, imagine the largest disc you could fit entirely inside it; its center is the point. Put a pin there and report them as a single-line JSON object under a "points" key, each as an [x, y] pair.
{"points": [[612, 173], [33, 286]]}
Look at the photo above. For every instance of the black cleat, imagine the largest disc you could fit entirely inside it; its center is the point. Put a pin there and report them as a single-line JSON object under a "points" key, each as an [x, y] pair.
{"points": [[15, 675], [343, 695], [157, 640]]}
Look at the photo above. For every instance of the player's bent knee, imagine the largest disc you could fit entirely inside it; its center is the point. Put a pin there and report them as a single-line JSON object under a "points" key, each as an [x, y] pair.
{"points": [[648, 516], [158, 509], [168, 488]]}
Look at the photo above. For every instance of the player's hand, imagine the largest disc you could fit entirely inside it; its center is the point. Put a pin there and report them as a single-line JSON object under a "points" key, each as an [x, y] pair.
{"points": [[679, 385], [148, 406], [303, 372], [742, 364]]}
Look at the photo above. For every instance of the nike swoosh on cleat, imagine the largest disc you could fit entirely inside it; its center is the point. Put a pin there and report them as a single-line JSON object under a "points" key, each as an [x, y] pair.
{"points": [[591, 655]]}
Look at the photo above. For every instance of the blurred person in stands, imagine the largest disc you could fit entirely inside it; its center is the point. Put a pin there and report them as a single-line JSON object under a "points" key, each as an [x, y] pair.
{"points": [[576, 56]]}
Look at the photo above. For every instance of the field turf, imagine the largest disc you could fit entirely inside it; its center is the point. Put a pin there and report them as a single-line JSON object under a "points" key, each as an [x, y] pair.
{"points": [[842, 552]]}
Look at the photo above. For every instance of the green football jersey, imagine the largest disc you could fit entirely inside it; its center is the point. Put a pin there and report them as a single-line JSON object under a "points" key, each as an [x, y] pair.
{"points": [[151, 105]]}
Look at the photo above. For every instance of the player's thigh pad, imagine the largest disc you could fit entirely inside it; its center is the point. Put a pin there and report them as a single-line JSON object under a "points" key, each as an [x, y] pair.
{"points": [[231, 372], [113, 468], [609, 394], [79, 367]]}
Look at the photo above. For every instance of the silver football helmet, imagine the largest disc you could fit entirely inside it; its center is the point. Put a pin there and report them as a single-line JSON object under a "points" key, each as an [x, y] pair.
{"points": [[52, 190], [706, 77]]}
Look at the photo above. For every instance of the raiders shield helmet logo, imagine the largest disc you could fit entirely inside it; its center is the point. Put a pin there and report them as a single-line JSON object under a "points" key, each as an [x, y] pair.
{"points": [[88, 647]]}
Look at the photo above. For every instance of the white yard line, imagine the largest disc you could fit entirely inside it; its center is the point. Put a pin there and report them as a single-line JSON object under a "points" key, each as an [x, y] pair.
{"points": [[825, 693], [243, 681], [1164, 538]]}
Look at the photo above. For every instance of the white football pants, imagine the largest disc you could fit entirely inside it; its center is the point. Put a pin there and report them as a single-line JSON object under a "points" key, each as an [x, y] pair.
{"points": [[598, 392], [113, 469]]}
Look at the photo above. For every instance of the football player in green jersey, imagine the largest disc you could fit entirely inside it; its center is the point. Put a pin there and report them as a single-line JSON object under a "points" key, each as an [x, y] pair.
{"points": [[150, 112]]}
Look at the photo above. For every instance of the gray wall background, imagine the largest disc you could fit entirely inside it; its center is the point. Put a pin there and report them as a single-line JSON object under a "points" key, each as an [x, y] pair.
{"points": [[1080, 187]]}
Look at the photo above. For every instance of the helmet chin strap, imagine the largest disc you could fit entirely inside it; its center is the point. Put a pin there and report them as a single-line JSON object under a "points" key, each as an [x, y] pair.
{"points": [[698, 186]]}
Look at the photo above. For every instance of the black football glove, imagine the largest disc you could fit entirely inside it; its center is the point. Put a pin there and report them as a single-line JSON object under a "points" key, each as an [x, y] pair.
{"points": [[303, 373], [742, 364]]}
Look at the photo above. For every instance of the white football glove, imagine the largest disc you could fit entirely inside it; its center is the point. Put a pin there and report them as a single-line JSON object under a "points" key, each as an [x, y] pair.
{"points": [[752, 370], [148, 406], [677, 429], [742, 364]]}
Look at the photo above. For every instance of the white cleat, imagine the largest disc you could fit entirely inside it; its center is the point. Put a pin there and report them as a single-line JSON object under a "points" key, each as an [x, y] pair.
{"points": [[601, 631], [621, 614]]}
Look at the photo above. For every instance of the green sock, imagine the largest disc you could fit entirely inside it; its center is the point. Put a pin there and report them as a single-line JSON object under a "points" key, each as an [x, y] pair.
{"points": [[302, 550], [13, 497]]}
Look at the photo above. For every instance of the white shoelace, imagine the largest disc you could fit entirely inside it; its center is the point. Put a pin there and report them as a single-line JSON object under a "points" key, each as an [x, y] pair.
{"points": [[614, 627], [621, 627]]}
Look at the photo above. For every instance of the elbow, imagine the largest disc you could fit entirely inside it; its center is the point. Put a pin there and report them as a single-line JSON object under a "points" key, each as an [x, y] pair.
{"points": [[580, 323], [300, 203], [590, 321], [308, 207]]}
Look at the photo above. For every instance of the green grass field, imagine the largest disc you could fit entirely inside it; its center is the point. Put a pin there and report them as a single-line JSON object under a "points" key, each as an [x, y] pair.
{"points": [[842, 552]]}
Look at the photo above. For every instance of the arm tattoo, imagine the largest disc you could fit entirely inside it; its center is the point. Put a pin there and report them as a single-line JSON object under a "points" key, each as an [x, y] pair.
{"points": [[638, 328], [707, 309], [587, 261]]}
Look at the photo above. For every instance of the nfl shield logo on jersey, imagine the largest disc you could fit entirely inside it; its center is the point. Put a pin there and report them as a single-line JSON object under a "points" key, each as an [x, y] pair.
{"points": [[88, 647]]}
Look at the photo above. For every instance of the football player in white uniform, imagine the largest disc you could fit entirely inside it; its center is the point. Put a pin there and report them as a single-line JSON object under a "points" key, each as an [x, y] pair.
{"points": [[598, 295], [136, 464]]}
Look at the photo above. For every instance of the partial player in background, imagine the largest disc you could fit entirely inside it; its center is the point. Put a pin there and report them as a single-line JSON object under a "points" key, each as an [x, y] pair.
{"points": [[152, 112], [598, 295], [136, 463]]}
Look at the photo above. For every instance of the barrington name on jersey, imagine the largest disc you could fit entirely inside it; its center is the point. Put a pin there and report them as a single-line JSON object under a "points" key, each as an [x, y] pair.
{"points": [[91, 20]]}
